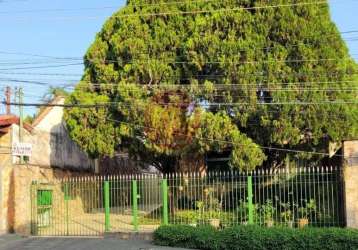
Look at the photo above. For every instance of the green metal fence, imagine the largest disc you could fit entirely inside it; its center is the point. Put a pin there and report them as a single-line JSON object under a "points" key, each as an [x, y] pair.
{"points": [[95, 205]]}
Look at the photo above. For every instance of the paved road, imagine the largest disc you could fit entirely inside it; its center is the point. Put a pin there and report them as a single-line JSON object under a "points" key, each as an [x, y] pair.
{"points": [[13, 242]]}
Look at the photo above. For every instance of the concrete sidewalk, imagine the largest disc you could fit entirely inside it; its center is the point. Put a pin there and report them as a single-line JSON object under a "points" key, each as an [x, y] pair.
{"points": [[14, 242]]}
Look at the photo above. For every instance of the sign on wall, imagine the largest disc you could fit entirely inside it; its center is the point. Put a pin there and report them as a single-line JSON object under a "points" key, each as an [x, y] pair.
{"points": [[21, 149]]}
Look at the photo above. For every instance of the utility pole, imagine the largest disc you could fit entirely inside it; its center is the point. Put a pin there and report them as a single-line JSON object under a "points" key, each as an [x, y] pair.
{"points": [[8, 100], [20, 95]]}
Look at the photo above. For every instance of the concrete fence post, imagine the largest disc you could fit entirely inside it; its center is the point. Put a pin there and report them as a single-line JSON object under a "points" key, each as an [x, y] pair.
{"points": [[350, 176]]}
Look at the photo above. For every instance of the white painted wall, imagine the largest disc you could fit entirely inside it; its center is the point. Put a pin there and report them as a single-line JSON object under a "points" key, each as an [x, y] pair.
{"points": [[51, 144], [52, 119]]}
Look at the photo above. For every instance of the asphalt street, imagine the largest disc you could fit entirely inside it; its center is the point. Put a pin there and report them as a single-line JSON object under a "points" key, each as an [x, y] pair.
{"points": [[14, 242]]}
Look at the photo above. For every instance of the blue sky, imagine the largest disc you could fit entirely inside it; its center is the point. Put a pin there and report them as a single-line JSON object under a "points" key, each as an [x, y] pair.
{"points": [[65, 33]]}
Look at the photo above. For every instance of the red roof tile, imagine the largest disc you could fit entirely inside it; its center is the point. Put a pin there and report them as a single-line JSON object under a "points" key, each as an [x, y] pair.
{"points": [[8, 120]]}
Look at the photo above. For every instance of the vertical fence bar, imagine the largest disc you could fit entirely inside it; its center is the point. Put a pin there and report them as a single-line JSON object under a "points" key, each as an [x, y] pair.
{"points": [[259, 174], [33, 191], [135, 205], [165, 201], [66, 207], [249, 197], [106, 206]]}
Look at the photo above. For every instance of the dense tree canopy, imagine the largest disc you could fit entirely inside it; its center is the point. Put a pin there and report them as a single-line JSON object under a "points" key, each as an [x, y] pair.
{"points": [[233, 78]]}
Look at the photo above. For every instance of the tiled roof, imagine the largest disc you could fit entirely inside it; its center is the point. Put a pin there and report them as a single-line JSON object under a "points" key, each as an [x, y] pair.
{"points": [[7, 120]]}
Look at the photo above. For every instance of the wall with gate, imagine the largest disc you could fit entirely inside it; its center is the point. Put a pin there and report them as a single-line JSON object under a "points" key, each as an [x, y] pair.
{"points": [[279, 197], [20, 202]]}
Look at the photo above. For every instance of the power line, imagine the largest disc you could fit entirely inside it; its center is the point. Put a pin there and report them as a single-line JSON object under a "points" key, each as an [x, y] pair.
{"points": [[267, 99], [59, 10], [191, 12], [44, 81], [229, 89], [43, 67], [222, 85], [235, 61], [230, 142], [287, 86], [25, 81], [171, 50], [107, 105], [110, 104], [246, 96], [106, 7], [37, 55], [259, 102], [31, 62], [40, 74], [257, 73]]}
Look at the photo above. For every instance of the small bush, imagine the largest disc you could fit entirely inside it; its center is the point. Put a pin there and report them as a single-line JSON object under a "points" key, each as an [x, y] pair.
{"points": [[256, 238], [187, 236], [201, 217]]}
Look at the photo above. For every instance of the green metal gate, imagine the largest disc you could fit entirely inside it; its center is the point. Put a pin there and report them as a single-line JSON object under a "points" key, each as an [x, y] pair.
{"points": [[86, 206]]}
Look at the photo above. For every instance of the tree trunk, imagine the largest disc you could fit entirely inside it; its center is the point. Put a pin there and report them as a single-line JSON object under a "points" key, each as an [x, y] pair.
{"points": [[192, 164]]}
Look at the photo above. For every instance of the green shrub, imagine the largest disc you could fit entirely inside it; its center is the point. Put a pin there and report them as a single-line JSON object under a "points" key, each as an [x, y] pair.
{"points": [[202, 237], [179, 235], [202, 217], [256, 238], [187, 236]]}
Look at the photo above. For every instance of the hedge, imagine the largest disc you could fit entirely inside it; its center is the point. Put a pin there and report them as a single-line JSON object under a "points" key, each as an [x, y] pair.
{"points": [[254, 237]]}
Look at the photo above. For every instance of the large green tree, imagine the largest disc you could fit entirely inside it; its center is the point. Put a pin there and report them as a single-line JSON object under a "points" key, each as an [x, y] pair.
{"points": [[238, 76]]}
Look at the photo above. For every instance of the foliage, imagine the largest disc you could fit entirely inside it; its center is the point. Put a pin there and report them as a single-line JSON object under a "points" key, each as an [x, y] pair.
{"points": [[91, 129], [210, 202], [200, 217], [54, 92], [308, 210], [243, 212], [252, 237], [276, 55], [223, 134], [288, 212], [144, 220], [186, 236], [265, 214], [29, 119], [268, 210]]}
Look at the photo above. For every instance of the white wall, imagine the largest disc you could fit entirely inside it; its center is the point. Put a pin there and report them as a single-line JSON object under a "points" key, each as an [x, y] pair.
{"points": [[51, 144], [52, 119]]}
